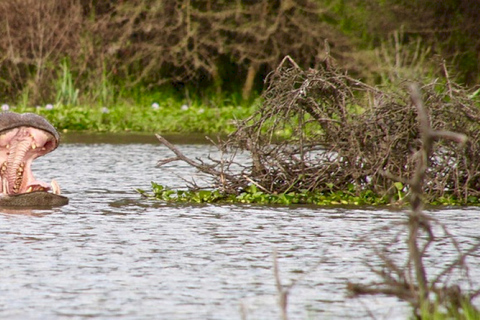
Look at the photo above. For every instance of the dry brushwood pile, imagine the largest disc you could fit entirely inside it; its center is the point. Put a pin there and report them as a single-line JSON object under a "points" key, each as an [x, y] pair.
{"points": [[345, 135]]}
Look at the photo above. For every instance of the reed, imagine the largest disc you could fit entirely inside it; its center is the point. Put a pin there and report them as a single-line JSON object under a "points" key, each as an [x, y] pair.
{"points": [[67, 94]]}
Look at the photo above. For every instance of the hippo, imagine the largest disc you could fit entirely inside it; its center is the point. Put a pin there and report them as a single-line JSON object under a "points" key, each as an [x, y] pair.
{"points": [[23, 138]]}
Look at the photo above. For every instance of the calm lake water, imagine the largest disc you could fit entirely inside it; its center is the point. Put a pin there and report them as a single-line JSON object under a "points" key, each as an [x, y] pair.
{"points": [[111, 255]]}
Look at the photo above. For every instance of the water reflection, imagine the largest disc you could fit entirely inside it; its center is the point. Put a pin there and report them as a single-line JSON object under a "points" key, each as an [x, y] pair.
{"points": [[27, 212], [111, 255]]}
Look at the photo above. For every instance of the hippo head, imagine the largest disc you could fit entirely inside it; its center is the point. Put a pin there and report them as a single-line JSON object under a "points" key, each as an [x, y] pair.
{"points": [[23, 138]]}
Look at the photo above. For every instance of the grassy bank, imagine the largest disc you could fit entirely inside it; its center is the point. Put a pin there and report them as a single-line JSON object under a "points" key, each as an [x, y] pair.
{"points": [[160, 115]]}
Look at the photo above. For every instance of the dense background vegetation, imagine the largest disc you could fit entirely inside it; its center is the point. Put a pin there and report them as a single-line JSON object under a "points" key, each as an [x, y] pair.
{"points": [[102, 51]]}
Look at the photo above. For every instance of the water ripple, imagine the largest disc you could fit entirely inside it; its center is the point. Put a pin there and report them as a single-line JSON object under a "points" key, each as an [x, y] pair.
{"points": [[111, 255]]}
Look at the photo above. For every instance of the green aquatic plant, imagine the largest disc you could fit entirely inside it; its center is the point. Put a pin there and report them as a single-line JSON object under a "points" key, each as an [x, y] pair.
{"points": [[164, 193], [167, 116], [460, 310], [254, 195]]}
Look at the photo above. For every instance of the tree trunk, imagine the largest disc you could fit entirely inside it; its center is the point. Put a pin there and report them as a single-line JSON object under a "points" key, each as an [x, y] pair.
{"points": [[247, 87]]}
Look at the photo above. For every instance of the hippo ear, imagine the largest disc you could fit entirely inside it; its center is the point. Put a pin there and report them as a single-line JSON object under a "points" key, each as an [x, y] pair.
{"points": [[11, 120]]}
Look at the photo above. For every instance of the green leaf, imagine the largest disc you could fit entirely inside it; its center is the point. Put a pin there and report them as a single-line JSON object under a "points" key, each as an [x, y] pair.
{"points": [[398, 185]]}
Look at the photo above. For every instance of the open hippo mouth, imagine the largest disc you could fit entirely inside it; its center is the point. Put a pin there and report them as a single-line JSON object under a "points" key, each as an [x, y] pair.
{"points": [[23, 138]]}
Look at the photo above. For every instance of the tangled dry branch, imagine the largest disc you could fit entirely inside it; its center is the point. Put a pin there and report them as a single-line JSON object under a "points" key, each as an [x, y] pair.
{"points": [[411, 282], [341, 132]]}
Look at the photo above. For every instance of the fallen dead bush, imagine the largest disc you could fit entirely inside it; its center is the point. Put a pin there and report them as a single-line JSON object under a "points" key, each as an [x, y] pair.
{"points": [[321, 130]]}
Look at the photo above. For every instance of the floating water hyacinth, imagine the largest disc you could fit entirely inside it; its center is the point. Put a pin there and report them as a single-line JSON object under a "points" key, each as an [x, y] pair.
{"points": [[5, 107], [184, 107], [49, 106], [155, 106]]}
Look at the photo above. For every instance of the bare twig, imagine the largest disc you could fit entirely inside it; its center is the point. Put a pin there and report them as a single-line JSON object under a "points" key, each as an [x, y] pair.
{"points": [[281, 290], [181, 157]]}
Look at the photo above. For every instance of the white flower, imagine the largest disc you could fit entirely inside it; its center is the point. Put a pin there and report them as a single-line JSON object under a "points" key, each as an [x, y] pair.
{"points": [[105, 110], [184, 107], [155, 106], [5, 107], [49, 106], [201, 110]]}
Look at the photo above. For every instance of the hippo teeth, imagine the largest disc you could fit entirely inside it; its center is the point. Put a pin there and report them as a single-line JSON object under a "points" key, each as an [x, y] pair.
{"points": [[4, 179], [16, 180], [16, 177], [55, 187], [19, 179], [5, 186]]}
